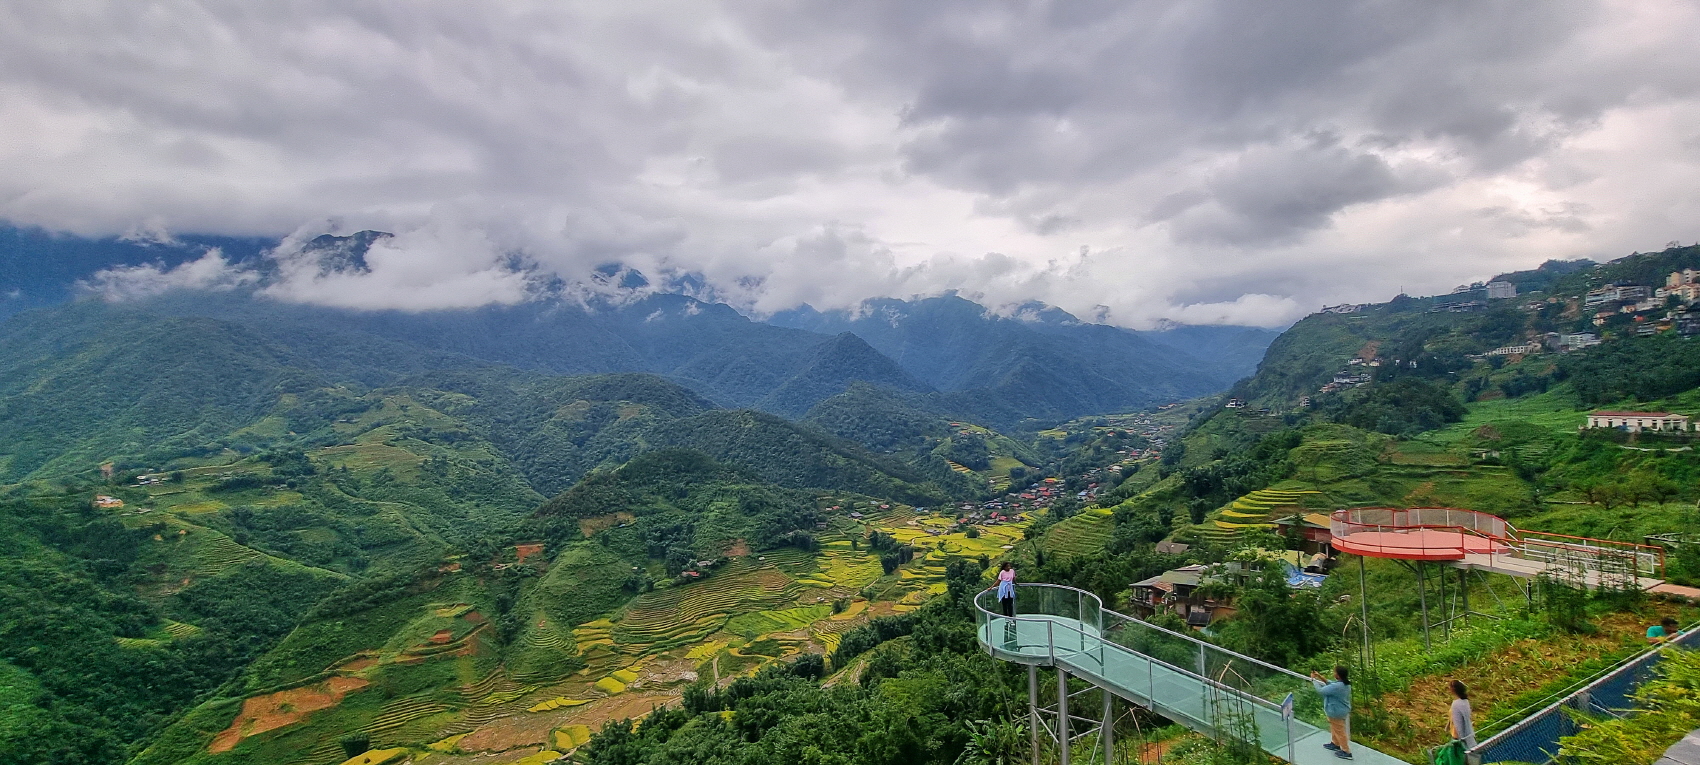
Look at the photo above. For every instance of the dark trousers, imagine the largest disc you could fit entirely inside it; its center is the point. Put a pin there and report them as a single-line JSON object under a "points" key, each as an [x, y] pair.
{"points": [[1008, 626], [1008, 606]]}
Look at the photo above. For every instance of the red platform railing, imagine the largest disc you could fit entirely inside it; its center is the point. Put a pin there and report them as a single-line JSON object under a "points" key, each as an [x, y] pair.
{"points": [[1555, 549]]}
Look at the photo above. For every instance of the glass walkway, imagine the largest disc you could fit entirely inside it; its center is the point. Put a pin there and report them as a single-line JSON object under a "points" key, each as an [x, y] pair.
{"points": [[1201, 686]]}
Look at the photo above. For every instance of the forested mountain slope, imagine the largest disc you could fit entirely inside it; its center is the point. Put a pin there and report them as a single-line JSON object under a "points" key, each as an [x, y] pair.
{"points": [[1041, 361]]}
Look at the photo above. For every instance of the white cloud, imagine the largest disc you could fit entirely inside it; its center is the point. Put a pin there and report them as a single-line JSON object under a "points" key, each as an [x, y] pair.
{"points": [[209, 272], [1216, 158], [1253, 309], [439, 266]]}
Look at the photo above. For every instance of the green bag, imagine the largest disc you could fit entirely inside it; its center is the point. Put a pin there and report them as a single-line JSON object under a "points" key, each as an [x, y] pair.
{"points": [[1450, 754]]}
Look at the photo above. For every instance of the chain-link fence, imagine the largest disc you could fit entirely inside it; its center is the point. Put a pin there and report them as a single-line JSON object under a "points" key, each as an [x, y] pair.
{"points": [[1535, 738]]}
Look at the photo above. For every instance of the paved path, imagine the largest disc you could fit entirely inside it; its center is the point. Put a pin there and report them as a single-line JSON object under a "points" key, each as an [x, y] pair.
{"points": [[1180, 695], [1684, 752], [1529, 569]]}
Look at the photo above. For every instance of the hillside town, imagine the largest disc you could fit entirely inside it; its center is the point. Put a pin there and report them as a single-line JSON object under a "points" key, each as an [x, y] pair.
{"points": [[1669, 308]]}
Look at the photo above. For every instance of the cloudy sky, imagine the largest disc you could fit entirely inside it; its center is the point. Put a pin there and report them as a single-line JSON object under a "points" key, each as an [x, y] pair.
{"points": [[1201, 161]]}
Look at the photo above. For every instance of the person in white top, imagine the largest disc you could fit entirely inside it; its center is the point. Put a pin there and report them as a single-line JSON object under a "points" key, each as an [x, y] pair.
{"points": [[1006, 599], [1006, 588], [1461, 725]]}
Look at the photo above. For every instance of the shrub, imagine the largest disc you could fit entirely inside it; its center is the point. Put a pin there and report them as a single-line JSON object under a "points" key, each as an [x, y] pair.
{"points": [[1670, 707], [355, 744]]}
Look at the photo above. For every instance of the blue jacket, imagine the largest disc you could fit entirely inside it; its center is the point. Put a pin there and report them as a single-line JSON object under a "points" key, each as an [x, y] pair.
{"points": [[1336, 698]]}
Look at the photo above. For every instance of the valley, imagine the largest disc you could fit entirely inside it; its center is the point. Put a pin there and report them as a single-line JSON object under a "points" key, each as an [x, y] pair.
{"points": [[238, 549]]}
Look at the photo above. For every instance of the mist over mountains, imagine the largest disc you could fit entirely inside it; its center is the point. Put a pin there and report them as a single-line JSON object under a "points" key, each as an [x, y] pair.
{"points": [[946, 354]]}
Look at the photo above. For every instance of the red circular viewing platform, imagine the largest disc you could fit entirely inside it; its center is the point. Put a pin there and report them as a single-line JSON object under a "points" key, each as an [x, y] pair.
{"points": [[1419, 533]]}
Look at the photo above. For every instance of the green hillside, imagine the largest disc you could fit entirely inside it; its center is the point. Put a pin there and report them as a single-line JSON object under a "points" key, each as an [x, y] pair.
{"points": [[1423, 338], [267, 559], [235, 466]]}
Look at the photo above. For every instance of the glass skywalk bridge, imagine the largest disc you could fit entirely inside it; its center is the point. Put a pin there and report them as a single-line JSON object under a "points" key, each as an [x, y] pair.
{"points": [[1201, 686]]}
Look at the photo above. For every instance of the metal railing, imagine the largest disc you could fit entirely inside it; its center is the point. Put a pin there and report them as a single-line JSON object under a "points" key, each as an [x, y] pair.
{"points": [[1535, 738], [1235, 694], [1603, 555], [1393, 519], [1563, 549]]}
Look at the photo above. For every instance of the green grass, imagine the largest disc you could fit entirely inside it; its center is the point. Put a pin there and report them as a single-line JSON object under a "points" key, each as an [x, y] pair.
{"points": [[1556, 410]]}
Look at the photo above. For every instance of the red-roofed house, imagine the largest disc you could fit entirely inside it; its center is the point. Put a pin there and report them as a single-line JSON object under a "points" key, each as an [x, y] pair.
{"points": [[1636, 422]]}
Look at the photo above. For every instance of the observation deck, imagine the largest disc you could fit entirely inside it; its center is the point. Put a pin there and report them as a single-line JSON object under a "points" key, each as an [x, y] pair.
{"points": [[1196, 684], [1476, 541]]}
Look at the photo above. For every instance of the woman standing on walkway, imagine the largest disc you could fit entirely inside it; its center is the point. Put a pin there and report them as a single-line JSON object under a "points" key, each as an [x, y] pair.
{"points": [[1006, 588], [1006, 600], [1337, 705]]}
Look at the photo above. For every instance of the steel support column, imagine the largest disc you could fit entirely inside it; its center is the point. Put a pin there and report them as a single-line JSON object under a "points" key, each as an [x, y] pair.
{"points": [[1363, 603], [1033, 721], [1107, 729], [1063, 737], [1422, 597], [1464, 587]]}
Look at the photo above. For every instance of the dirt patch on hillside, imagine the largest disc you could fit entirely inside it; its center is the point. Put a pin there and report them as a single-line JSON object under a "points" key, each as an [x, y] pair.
{"points": [[284, 708], [665, 672], [365, 662]]}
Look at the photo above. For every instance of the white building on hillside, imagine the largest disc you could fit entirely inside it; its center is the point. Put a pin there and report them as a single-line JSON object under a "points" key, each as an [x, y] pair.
{"points": [[1515, 350], [1498, 290], [1635, 422]]}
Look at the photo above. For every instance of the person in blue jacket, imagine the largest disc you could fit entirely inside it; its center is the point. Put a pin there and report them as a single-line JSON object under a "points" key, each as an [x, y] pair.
{"points": [[1337, 705]]}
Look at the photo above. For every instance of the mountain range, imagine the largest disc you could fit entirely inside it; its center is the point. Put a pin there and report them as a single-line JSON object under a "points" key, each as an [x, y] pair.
{"points": [[1032, 366]]}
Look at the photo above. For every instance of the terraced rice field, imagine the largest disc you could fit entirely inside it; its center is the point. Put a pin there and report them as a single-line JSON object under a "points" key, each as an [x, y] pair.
{"points": [[400, 712], [179, 630], [559, 702], [571, 737], [757, 623], [545, 635], [845, 568], [1081, 535], [1256, 510], [830, 631], [592, 634], [368, 456], [138, 643], [216, 552], [494, 696], [688, 613]]}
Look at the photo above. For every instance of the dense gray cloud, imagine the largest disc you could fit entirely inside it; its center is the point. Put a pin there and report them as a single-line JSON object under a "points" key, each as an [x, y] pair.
{"points": [[1198, 161]]}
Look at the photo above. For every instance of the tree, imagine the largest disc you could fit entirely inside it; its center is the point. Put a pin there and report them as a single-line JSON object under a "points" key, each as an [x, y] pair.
{"points": [[995, 742], [355, 744], [1276, 623]]}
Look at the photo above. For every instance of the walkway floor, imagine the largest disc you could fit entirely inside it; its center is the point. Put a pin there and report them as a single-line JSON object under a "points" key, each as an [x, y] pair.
{"points": [[1684, 752], [1529, 569], [1180, 696]]}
